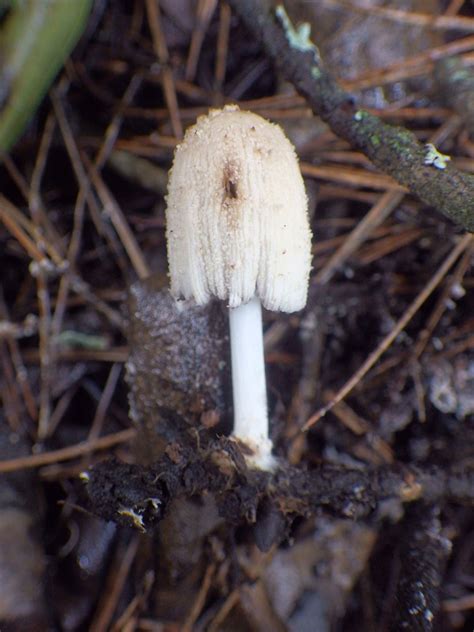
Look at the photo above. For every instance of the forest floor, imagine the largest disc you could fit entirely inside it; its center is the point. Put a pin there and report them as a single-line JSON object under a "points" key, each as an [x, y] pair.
{"points": [[115, 513]]}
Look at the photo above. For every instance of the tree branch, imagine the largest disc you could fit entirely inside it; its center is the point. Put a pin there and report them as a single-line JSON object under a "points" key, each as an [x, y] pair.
{"points": [[423, 557], [394, 150], [140, 495]]}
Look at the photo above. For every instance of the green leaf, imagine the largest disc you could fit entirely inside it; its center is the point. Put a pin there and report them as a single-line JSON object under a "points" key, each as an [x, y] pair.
{"points": [[36, 38]]}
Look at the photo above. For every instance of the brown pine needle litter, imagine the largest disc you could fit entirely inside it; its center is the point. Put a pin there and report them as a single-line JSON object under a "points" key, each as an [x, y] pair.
{"points": [[126, 501]]}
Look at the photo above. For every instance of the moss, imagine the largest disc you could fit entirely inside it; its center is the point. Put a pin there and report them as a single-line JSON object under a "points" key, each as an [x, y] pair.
{"points": [[403, 142], [360, 115], [461, 75]]}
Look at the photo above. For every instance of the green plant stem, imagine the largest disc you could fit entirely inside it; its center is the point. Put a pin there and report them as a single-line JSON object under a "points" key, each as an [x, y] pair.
{"points": [[35, 41]]}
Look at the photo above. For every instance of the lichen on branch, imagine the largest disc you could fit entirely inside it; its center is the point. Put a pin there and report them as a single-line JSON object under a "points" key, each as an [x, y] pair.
{"points": [[394, 150]]}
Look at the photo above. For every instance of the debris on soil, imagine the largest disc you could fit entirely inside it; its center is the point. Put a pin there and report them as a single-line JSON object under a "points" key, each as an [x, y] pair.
{"points": [[178, 368], [125, 504]]}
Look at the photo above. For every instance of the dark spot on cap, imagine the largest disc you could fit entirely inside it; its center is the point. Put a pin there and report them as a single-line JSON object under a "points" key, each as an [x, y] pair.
{"points": [[230, 183]]}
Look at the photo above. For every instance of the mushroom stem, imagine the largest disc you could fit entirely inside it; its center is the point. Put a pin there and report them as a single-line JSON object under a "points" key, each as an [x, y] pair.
{"points": [[248, 383]]}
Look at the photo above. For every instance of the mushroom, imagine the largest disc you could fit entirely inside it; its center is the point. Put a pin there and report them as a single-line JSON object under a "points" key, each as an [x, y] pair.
{"points": [[238, 230]]}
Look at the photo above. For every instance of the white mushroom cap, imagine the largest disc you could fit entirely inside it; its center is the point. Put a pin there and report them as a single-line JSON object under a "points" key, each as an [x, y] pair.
{"points": [[237, 221]]}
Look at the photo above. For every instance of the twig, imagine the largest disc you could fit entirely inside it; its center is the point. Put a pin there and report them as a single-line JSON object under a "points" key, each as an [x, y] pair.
{"points": [[456, 88], [161, 50], [34, 198], [441, 305], [72, 279], [70, 452], [9, 393], [419, 64], [222, 46], [104, 402], [44, 226], [113, 128], [130, 614], [383, 247], [232, 600], [220, 471], [440, 22], [204, 13], [461, 603], [15, 174], [119, 221], [116, 354], [423, 557], [61, 407], [360, 426], [46, 356], [21, 373], [400, 325], [394, 150], [458, 348], [200, 600], [454, 7], [377, 214], [16, 223], [110, 138], [103, 228], [355, 177], [115, 582]]}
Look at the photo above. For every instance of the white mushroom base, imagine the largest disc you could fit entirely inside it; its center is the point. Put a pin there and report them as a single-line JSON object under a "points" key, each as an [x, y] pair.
{"points": [[248, 384]]}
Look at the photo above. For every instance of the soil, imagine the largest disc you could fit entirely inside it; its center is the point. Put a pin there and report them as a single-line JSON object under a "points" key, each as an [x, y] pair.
{"points": [[124, 503]]}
